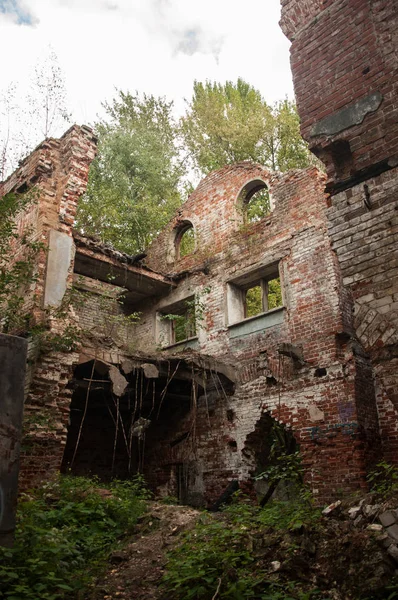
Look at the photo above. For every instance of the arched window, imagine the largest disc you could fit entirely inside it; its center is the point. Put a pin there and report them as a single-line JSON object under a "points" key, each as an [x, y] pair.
{"points": [[185, 240], [255, 201]]}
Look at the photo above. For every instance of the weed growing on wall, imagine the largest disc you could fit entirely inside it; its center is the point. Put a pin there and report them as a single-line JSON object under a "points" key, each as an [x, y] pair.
{"points": [[18, 253], [189, 319], [383, 479], [65, 531]]}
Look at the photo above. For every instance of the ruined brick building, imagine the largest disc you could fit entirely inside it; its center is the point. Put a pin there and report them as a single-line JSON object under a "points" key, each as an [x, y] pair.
{"points": [[234, 319]]}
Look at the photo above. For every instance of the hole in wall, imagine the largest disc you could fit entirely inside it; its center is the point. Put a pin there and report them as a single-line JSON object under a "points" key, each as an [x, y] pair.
{"points": [[320, 372], [340, 153], [230, 415], [255, 201], [22, 188]]}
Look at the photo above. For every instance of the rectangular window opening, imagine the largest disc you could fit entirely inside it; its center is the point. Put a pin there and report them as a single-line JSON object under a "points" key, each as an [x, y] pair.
{"points": [[177, 323], [248, 298], [183, 325]]}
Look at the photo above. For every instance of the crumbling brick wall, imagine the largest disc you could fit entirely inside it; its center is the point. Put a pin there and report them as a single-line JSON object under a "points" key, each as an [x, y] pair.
{"points": [[57, 170], [317, 397], [344, 61], [344, 64]]}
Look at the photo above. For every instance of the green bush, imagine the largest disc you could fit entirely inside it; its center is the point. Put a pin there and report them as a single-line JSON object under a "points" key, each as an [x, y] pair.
{"points": [[384, 479], [64, 532], [218, 554]]}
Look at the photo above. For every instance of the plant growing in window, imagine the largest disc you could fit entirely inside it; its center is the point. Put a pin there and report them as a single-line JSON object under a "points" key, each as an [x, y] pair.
{"points": [[255, 201], [185, 240]]}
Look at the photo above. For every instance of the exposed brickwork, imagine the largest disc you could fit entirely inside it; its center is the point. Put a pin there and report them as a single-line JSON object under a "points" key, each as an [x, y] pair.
{"points": [[58, 171], [322, 411], [324, 364], [203, 446], [342, 52]]}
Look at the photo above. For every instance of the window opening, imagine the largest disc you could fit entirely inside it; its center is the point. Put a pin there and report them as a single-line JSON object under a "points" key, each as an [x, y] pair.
{"points": [[254, 294], [180, 322], [185, 240], [253, 301], [183, 325], [262, 297], [256, 201]]}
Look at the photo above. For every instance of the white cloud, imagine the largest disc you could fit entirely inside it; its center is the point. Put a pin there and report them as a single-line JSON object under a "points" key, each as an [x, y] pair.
{"points": [[154, 46], [16, 11]]}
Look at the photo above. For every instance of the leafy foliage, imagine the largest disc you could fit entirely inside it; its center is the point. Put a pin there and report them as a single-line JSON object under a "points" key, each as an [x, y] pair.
{"points": [[133, 186], [258, 207], [231, 122], [187, 242], [17, 262], [274, 293], [64, 531], [188, 318], [218, 554], [284, 457], [254, 304], [384, 478]]}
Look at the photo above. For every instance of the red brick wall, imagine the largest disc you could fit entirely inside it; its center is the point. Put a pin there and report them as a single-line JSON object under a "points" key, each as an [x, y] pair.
{"points": [[58, 171], [322, 408], [343, 51]]}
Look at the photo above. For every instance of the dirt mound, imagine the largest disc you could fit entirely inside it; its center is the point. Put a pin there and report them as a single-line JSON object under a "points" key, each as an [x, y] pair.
{"points": [[136, 571]]}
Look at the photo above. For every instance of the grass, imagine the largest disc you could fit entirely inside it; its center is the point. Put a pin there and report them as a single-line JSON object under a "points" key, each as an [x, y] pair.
{"points": [[65, 531]]}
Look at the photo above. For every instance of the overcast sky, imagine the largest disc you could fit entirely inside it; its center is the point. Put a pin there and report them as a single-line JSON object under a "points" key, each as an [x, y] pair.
{"points": [[154, 46]]}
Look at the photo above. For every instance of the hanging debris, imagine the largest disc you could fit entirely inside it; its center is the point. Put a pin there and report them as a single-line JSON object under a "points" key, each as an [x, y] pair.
{"points": [[119, 382], [140, 426]]}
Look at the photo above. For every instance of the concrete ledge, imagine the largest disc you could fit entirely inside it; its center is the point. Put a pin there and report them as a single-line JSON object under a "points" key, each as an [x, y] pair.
{"points": [[192, 342], [347, 117], [257, 324]]}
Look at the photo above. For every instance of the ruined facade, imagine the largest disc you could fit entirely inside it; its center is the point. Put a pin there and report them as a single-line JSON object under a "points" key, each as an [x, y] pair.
{"points": [[192, 407], [267, 299]]}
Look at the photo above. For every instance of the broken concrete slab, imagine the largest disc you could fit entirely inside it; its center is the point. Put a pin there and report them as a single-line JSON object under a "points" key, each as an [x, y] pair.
{"points": [[375, 527], [61, 251], [354, 511], [119, 382], [347, 117], [150, 370], [331, 508], [128, 366], [393, 552], [370, 510], [393, 532]]}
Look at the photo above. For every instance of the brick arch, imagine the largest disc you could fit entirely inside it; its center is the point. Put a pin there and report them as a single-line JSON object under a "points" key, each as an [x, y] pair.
{"points": [[250, 188]]}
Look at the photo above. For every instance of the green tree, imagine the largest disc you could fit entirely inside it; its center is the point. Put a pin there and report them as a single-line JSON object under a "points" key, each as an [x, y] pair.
{"points": [[229, 123], [135, 181]]}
